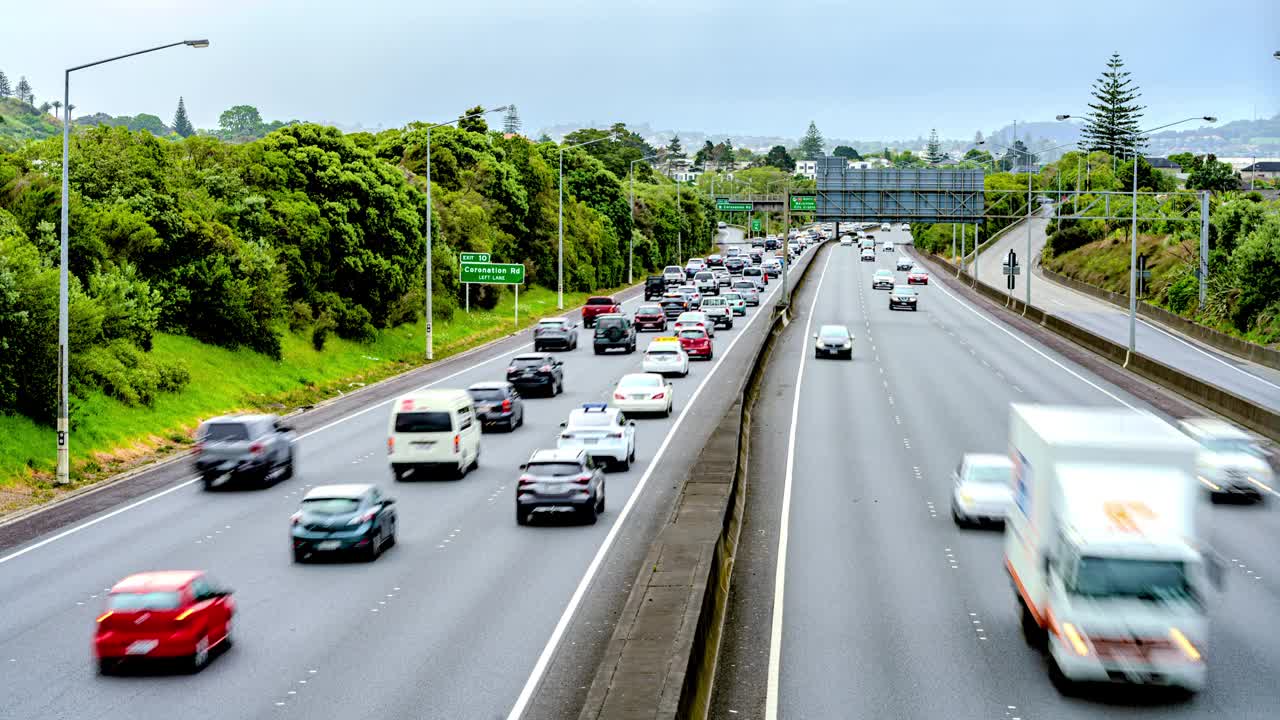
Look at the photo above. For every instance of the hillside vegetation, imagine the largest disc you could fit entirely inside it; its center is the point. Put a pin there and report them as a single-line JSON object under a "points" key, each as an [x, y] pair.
{"points": [[20, 122]]}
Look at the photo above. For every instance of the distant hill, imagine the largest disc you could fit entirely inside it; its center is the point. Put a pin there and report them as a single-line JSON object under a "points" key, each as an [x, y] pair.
{"points": [[19, 122], [141, 121]]}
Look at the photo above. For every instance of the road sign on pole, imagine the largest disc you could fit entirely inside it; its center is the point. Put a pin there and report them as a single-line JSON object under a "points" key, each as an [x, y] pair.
{"points": [[723, 205], [1011, 269], [755, 225], [467, 258], [493, 273], [804, 203]]}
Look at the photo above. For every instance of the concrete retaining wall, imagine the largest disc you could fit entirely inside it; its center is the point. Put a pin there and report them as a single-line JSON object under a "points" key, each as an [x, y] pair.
{"points": [[661, 658]]}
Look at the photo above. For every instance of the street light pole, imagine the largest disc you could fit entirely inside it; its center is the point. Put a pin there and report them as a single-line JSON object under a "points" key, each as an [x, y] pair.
{"points": [[560, 261], [431, 353], [62, 474]]}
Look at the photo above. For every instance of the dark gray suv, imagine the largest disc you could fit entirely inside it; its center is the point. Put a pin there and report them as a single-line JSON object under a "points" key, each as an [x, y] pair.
{"points": [[565, 480], [498, 405], [613, 332], [258, 448]]}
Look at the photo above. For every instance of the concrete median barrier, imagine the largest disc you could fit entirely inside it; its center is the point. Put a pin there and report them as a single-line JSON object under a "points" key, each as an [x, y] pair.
{"points": [[661, 658]]}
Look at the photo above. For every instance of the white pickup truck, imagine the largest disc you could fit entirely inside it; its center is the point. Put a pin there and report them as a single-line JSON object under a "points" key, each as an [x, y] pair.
{"points": [[1101, 546]]}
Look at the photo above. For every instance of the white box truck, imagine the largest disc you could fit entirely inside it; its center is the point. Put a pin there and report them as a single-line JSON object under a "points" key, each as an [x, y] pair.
{"points": [[1101, 545]]}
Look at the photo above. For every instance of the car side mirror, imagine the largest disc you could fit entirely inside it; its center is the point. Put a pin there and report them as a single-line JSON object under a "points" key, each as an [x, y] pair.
{"points": [[388, 501], [632, 423], [524, 466], [284, 428], [564, 424]]}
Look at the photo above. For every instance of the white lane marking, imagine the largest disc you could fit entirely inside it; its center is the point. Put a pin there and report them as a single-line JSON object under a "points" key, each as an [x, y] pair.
{"points": [[156, 496], [780, 578], [544, 659], [1033, 349], [1210, 355]]}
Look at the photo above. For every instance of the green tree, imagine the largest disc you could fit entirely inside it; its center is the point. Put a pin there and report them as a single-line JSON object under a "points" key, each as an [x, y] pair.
{"points": [[724, 152], [811, 146], [674, 151], [778, 157], [24, 91], [846, 152], [472, 120], [240, 121], [1113, 119], [704, 153], [933, 154], [57, 108], [511, 121], [181, 123], [1255, 265], [150, 123], [5, 90], [1210, 174]]}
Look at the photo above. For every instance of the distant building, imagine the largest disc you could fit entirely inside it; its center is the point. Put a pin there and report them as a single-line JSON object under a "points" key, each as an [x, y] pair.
{"points": [[682, 170], [868, 164], [807, 168], [1261, 170], [1166, 166]]}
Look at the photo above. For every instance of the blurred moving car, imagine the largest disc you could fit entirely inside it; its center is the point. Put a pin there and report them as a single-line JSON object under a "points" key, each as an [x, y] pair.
{"points": [[644, 392], [597, 306], [982, 489], [355, 518], [165, 614], [718, 311], [555, 480], [737, 304], [887, 247], [650, 316], [665, 356], [691, 294], [706, 283], [258, 448], [497, 404], [614, 332], [536, 372], [755, 275], [868, 256], [654, 286], [696, 342], [557, 333], [918, 276], [695, 319], [748, 290], [1230, 462], [735, 265], [694, 266], [903, 297], [437, 429], [602, 432], [833, 341], [846, 241], [673, 275], [674, 303], [715, 260], [882, 279], [905, 263]]}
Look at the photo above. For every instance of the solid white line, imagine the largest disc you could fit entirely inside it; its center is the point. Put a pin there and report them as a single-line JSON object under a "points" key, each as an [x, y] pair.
{"points": [[780, 577], [544, 659], [1209, 355], [1033, 349], [155, 496]]}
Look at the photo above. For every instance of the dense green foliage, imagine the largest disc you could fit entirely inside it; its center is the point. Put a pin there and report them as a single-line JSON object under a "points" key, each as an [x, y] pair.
{"points": [[235, 244], [1005, 203], [19, 123]]}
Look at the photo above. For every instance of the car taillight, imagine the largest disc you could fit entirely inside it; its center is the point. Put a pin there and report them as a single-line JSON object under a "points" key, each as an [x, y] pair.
{"points": [[615, 435], [619, 396], [545, 368], [256, 448], [457, 443], [566, 436], [199, 448], [583, 479], [526, 480], [506, 405], [105, 615], [362, 519], [391, 445], [659, 396], [184, 614], [296, 518]]}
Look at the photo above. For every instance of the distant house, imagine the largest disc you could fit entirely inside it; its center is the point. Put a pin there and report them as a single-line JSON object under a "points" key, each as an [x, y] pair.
{"points": [[682, 170], [1165, 165], [807, 168], [1261, 170], [868, 164]]}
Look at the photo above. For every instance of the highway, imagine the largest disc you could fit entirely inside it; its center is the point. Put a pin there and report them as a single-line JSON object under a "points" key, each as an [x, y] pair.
{"points": [[469, 616], [880, 606], [1249, 380]]}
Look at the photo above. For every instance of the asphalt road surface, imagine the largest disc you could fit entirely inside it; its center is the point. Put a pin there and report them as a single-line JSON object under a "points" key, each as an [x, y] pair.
{"points": [[883, 608], [1249, 380], [469, 616]]}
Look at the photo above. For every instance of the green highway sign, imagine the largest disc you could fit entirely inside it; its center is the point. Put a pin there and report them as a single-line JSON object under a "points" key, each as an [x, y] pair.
{"points": [[727, 206], [755, 225], [493, 273], [804, 203], [473, 257]]}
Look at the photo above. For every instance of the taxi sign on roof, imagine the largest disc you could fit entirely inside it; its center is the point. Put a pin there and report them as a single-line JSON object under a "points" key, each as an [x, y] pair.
{"points": [[668, 338]]}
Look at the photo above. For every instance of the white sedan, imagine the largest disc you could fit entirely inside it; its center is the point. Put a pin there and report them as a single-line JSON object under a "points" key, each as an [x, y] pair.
{"points": [[664, 356], [643, 393], [694, 319], [983, 489]]}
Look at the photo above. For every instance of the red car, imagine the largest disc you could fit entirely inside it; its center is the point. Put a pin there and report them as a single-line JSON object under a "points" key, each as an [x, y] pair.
{"points": [[170, 614], [917, 277], [695, 342], [599, 305], [651, 315]]}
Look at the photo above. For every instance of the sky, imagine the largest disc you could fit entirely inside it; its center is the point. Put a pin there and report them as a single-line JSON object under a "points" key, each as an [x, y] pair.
{"points": [[858, 68]]}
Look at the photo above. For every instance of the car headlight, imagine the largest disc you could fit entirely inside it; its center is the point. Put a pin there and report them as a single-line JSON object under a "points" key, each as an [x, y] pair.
{"points": [[966, 499]]}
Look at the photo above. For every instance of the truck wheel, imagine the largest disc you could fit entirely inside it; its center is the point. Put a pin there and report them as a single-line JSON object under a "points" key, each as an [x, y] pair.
{"points": [[1031, 630]]}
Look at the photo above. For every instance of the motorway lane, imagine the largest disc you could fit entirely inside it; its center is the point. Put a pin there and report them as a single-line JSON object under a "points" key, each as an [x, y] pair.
{"points": [[447, 624], [889, 610], [1246, 379]]}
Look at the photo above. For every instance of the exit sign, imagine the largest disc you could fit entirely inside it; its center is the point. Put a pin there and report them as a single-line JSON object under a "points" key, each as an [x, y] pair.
{"points": [[726, 206]]}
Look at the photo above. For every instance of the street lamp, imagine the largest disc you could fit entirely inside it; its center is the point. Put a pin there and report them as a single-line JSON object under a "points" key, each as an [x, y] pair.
{"points": [[1133, 246], [560, 264], [631, 245], [63, 473], [431, 353]]}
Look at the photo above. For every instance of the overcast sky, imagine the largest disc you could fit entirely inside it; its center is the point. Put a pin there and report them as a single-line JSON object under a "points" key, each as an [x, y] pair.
{"points": [[860, 68]]}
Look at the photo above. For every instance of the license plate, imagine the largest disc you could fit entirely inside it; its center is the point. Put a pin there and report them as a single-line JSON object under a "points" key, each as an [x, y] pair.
{"points": [[637, 397], [328, 545], [141, 647], [588, 441]]}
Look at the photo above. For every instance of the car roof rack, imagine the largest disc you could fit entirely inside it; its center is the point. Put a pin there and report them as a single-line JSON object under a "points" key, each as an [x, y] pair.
{"points": [[595, 407]]}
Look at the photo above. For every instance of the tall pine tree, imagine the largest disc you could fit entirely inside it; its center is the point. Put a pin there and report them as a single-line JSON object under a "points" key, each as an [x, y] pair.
{"points": [[181, 123], [511, 121], [1112, 124], [24, 91], [673, 148], [5, 90], [933, 151], [812, 145]]}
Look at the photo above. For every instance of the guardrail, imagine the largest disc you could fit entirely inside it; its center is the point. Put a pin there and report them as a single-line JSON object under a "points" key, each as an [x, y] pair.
{"points": [[1223, 402], [661, 658]]}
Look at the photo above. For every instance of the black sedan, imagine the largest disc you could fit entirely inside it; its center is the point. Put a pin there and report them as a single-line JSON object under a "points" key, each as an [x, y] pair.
{"points": [[555, 334], [536, 372], [498, 405], [735, 265], [354, 518]]}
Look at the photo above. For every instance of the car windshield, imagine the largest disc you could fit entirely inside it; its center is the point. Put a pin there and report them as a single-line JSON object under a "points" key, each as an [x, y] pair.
{"points": [[713, 302], [1157, 580], [883, 274], [660, 353], [486, 394], [224, 432], [693, 334], [530, 362], [731, 297], [554, 469], [585, 419], [744, 285], [672, 269], [423, 422], [903, 290], [704, 276], [600, 301], [640, 381], [831, 332], [144, 601], [330, 506], [648, 309], [989, 474], [751, 271], [605, 323], [555, 324], [1232, 446]]}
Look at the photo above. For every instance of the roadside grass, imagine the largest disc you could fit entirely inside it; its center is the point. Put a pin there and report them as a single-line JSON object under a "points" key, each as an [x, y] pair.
{"points": [[109, 437]]}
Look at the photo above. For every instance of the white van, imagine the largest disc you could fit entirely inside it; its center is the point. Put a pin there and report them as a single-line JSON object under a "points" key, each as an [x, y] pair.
{"points": [[433, 429]]}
